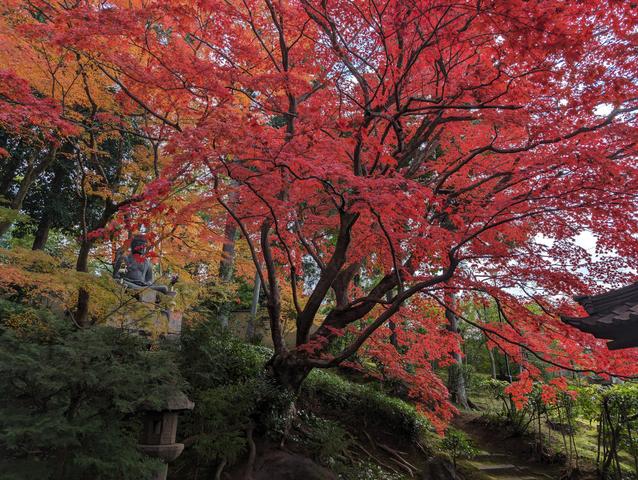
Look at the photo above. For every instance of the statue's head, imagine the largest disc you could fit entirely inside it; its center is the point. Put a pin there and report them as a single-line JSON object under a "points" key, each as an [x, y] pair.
{"points": [[139, 245]]}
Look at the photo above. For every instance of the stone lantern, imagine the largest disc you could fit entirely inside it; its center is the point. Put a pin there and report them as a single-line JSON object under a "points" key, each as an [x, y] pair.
{"points": [[160, 429]]}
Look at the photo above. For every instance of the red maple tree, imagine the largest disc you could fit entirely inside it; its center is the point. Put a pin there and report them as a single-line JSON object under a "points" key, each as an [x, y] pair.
{"points": [[376, 154]]}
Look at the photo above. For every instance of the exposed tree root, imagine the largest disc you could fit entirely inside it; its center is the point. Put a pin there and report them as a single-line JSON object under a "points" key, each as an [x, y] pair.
{"points": [[399, 459], [379, 462], [473, 405], [422, 448], [252, 453], [290, 417], [396, 457], [220, 469]]}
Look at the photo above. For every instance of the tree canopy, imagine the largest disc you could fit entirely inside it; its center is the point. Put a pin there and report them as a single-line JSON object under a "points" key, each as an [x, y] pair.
{"points": [[379, 158]]}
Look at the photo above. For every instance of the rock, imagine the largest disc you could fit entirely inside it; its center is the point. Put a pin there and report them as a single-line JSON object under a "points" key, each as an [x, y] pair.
{"points": [[560, 427], [439, 468], [281, 465]]}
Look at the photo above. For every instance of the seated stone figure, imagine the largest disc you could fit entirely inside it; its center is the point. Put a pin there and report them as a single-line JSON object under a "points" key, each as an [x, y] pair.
{"points": [[139, 270]]}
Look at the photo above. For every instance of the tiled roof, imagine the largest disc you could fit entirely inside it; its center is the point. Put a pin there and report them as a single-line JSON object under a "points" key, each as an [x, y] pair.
{"points": [[606, 302], [612, 315]]}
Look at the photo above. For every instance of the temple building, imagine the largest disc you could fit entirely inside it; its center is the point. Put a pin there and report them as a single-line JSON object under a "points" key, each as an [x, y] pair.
{"points": [[612, 316]]}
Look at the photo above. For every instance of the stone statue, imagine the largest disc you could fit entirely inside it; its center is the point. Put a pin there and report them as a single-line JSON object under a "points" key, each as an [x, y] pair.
{"points": [[139, 271]]}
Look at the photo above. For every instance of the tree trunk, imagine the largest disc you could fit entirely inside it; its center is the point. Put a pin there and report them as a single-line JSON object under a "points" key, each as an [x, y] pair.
{"points": [[456, 376], [456, 382], [8, 174], [84, 297], [288, 371], [42, 233], [30, 176], [228, 250], [252, 321], [16, 202], [492, 361], [392, 325], [82, 264], [507, 368], [49, 210], [226, 265], [82, 311]]}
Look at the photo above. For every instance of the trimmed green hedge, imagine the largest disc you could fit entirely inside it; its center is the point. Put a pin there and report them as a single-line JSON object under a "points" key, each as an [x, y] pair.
{"points": [[364, 404]]}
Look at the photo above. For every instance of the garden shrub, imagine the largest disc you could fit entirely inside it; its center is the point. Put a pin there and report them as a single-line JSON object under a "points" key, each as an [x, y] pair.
{"points": [[617, 429], [211, 357], [222, 418], [326, 439], [457, 445], [233, 396], [363, 404], [70, 398], [509, 414]]}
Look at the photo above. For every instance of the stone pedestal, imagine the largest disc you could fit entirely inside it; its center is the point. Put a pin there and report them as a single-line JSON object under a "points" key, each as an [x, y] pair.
{"points": [[160, 319], [175, 322], [148, 296]]}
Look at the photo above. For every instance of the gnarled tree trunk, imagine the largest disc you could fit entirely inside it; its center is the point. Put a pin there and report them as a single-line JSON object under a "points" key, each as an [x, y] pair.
{"points": [[288, 370]]}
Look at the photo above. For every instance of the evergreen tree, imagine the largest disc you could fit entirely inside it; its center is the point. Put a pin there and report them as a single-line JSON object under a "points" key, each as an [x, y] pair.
{"points": [[72, 398]]}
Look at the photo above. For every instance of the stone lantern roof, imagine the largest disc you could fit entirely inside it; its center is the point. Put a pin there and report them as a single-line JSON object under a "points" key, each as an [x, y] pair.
{"points": [[176, 401]]}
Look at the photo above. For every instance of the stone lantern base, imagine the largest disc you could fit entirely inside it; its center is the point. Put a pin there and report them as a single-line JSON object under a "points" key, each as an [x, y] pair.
{"points": [[167, 453]]}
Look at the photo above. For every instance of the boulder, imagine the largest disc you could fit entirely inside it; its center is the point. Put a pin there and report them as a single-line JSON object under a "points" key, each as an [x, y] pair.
{"points": [[281, 465], [439, 468]]}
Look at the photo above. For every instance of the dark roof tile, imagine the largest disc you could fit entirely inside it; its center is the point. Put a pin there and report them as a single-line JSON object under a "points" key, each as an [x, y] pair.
{"points": [[612, 315]]}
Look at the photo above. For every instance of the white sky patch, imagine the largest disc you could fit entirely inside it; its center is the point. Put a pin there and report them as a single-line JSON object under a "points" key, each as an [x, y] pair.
{"points": [[587, 241], [584, 239], [603, 109], [543, 240]]}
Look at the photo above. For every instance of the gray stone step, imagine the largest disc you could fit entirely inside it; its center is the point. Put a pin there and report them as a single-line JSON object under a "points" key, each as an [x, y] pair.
{"points": [[517, 473], [491, 457], [515, 477], [496, 468]]}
